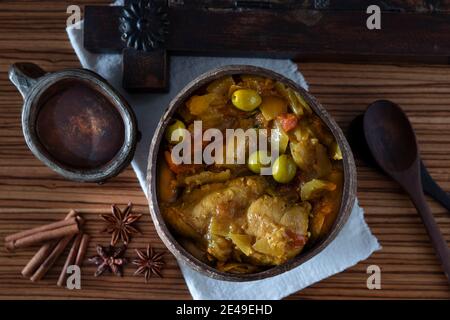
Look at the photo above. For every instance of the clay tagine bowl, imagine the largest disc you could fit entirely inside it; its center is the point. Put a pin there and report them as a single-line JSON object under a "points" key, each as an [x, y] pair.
{"points": [[75, 122], [170, 240]]}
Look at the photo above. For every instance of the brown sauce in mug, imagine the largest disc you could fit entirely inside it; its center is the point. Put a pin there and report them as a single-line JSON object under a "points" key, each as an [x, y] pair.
{"points": [[79, 127]]}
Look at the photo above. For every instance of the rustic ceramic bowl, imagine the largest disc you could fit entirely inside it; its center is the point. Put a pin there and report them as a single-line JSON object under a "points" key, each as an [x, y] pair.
{"points": [[37, 86], [349, 190]]}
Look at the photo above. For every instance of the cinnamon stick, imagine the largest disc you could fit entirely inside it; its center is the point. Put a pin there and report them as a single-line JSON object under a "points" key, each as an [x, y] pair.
{"points": [[38, 259], [51, 259], [72, 214], [56, 252], [46, 227], [70, 259], [43, 233], [42, 253], [82, 250]]}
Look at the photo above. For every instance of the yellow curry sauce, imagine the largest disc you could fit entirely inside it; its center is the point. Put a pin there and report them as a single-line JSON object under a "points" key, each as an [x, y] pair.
{"points": [[229, 215]]}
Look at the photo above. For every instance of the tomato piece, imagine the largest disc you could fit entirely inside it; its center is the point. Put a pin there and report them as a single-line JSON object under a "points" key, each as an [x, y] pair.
{"points": [[297, 240], [288, 121]]}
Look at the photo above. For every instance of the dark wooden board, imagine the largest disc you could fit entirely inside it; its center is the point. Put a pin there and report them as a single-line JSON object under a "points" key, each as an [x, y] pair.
{"points": [[299, 33], [411, 31], [424, 6], [106, 36], [285, 33], [147, 71]]}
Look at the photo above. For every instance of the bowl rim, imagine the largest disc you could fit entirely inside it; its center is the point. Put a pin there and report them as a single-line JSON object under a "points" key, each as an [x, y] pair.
{"points": [[31, 109], [349, 168]]}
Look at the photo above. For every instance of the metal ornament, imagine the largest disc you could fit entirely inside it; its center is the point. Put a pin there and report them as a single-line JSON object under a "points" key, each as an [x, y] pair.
{"points": [[144, 25]]}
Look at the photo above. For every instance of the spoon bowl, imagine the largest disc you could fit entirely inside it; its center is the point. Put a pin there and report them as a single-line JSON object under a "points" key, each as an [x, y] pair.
{"points": [[358, 143], [390, 134]]}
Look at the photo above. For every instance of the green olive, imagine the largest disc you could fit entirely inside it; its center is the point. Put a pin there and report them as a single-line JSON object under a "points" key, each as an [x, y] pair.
{"points": [[284, 169], [258, 160], [246, 99], [176, 125]]}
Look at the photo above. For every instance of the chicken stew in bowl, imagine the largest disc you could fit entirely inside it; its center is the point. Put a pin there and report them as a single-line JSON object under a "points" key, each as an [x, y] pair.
{"points": [[230, 215]]}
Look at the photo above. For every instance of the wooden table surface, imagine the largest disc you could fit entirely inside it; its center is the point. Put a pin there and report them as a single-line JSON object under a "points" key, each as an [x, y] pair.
{"points": [[31, 194]]}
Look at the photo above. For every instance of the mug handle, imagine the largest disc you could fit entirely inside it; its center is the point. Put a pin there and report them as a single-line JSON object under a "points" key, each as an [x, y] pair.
{"points": [[24, 75]]}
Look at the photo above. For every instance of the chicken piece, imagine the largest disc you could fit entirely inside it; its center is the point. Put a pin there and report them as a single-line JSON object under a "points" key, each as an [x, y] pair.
{"points": [[204, 177], [280, 229], [223, 203], [311, 157], [181, 217]]}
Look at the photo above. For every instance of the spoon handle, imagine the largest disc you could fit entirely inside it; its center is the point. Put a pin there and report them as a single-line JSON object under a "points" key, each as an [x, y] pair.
{"points": [[433, 189], [438, 241]]}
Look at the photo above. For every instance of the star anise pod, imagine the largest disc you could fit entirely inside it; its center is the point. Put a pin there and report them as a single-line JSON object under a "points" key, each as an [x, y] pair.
{"points": [[109, 258], [119, 224], [149, 263]]}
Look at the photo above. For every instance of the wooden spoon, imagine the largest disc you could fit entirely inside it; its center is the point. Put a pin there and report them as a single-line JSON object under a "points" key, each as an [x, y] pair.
{"points": [[355, 136], [392, 142]]}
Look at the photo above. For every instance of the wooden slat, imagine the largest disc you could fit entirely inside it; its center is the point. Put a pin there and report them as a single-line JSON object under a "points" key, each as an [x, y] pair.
{"points": [[318, 35], [307, 33], [338, 5], [30, 194]]}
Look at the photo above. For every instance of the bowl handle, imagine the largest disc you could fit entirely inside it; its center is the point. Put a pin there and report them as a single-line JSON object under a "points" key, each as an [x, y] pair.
{"points": [[25, 75]]}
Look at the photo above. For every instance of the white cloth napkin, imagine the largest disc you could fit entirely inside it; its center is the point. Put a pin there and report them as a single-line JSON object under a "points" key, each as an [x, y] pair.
{"points": [[354, 243]]}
